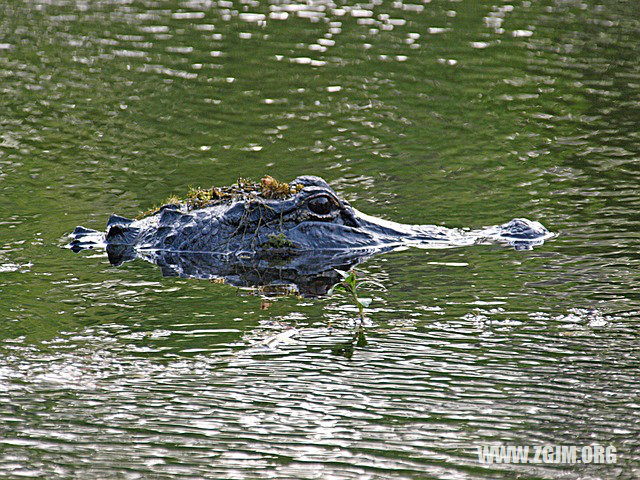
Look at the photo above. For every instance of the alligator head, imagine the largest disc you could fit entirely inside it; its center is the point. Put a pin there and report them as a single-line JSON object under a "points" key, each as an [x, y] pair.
{"points": [[305, 231]]}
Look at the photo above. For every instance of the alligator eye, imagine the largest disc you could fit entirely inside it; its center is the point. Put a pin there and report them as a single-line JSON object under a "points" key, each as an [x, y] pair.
{"points": [[321, 205]]}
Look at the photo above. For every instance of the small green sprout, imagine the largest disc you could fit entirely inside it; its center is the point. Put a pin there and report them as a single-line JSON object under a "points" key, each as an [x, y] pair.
{"points": [[350, 284]]}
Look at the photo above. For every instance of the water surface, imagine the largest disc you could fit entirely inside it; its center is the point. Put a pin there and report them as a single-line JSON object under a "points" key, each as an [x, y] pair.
{"points": [[455, 113]]}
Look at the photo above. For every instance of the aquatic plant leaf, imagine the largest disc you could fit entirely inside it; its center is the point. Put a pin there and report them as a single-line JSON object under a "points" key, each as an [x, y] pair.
{"points": [[365, 302], [374, 283], [342, 273]]}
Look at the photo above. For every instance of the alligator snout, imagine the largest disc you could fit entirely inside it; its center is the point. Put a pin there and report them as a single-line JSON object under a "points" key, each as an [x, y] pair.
{"points": [[524, 229], [520, 233]]}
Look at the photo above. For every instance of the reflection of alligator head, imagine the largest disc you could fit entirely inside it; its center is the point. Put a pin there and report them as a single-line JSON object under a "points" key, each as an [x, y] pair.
{"points": [[256, 234]]}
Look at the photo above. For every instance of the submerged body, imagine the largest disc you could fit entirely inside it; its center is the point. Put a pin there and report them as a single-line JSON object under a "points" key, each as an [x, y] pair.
{"points": [[301, 227]]}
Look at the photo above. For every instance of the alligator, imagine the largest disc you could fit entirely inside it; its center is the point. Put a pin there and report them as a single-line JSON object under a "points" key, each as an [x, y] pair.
{"points": [[298, 233]]}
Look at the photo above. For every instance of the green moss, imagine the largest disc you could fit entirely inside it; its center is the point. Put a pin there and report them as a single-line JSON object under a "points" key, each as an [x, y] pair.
{"points": [[272, 188], [278, 241], [244, 188], [172, 200]]}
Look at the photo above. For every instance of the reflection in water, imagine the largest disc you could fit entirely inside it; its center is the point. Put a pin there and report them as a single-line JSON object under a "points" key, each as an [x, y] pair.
{"points": [[454, 113], [309, 273]]}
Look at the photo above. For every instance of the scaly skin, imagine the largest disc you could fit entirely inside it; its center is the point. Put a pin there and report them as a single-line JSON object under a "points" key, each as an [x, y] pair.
{"points": [[310, 227]]}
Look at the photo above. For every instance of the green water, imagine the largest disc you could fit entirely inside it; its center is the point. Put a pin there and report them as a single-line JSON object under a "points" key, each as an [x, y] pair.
{"points": [[457, 113]]}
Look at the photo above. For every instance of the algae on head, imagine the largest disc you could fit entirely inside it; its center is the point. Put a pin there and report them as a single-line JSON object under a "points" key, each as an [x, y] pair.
{"points": [[272, 188], [244, 188], [172, 200], [278, 241]]}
